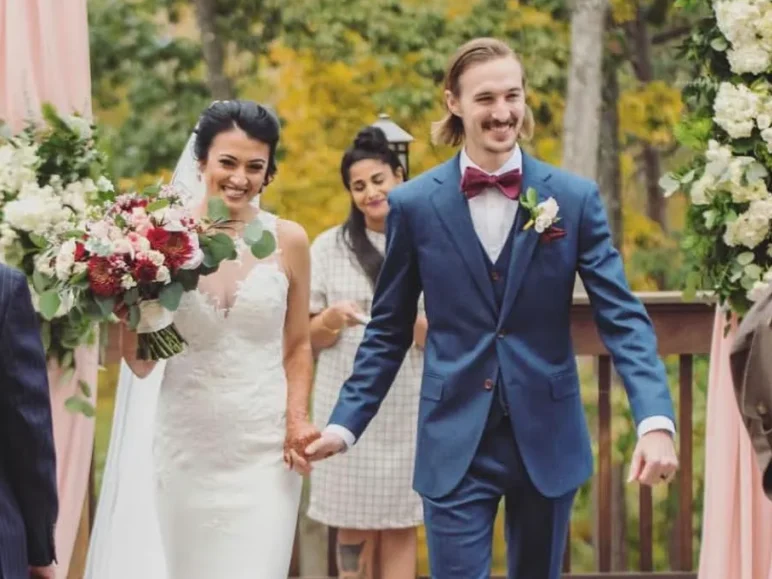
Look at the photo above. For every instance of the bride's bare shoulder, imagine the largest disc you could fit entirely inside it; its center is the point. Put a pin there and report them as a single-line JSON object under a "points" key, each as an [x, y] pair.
{"points": [[291, 235], [294, 248]]}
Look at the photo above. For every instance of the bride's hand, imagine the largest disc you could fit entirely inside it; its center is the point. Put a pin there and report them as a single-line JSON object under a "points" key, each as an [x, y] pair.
{"points": [[300, 433]]}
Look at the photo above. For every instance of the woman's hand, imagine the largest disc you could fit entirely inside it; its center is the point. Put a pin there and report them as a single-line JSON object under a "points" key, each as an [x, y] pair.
{"points": [[300, 433], [342, 314]]}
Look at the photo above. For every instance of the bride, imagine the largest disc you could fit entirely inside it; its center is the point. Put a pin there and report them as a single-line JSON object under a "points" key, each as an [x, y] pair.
{"points": [[202, 479]]}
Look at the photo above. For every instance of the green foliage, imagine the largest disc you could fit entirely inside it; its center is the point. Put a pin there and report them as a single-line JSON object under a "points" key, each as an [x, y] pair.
{"points": [[150, 80]]}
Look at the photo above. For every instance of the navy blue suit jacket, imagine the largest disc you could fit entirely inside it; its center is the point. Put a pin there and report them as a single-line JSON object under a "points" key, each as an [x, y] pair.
{"points": [[525, 345], [28, 497]]}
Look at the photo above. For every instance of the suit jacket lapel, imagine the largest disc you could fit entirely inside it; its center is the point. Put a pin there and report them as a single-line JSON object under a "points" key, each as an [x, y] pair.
{"points": [[453, 211], [525, 241]]}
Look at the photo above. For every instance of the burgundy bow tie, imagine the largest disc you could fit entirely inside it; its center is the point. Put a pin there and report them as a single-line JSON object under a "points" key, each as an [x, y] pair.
{"points": [[476, 181]]}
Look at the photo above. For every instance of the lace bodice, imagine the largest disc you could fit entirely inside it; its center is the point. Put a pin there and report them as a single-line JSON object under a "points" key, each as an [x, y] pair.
{"points": [[223, 400]]}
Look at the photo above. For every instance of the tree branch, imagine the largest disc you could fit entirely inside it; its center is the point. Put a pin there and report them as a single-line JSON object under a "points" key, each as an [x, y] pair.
{"points": [[671, 34]]}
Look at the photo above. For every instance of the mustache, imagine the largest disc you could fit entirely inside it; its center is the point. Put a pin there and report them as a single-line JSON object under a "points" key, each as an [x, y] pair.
{"points": [[494, 124]]}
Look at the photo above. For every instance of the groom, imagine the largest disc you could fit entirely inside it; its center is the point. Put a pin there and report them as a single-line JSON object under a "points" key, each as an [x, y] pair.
{"points": [[28, 499], [500, 413]]}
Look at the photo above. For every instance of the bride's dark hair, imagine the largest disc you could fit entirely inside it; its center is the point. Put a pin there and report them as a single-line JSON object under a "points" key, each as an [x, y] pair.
{"points": [[255, 120], [370, 143]]}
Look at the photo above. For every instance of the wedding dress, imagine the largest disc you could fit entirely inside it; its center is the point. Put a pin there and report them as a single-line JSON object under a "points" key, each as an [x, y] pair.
{"points": [[195, 486], [227, 503]]}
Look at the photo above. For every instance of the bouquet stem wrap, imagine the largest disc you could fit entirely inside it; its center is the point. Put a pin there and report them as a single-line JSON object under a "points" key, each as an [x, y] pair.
{"points": [[157, 336]]}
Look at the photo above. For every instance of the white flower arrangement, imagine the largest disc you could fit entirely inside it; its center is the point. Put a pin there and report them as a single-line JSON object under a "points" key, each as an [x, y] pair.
{"points": [[729, 223]]}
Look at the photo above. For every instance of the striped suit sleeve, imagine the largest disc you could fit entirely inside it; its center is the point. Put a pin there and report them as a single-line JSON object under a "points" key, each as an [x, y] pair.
{"points": [[25, 409]]}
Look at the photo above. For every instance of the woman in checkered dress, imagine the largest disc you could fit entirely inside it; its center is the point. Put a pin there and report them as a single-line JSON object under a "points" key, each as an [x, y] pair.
{"points": [[366, 492]]}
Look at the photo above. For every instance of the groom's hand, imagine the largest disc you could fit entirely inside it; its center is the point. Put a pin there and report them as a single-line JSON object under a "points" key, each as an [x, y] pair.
{"points": [[325, 447], [654, 458]]}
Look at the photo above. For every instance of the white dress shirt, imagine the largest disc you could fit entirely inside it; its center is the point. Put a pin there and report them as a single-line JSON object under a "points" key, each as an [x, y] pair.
{"points": [[493, 215]]}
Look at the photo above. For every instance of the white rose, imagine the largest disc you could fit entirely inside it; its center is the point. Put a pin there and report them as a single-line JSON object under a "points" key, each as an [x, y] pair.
{"points": [[701, 191], [65, 259], [163, 275], [156, 257], [735, 109], [749, 58], [549, 208], [127, 281], [748, 230], [79, 126]]}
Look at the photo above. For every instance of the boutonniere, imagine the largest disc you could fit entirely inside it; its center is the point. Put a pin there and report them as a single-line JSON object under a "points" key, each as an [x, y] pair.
{"points": [[544, 215]]}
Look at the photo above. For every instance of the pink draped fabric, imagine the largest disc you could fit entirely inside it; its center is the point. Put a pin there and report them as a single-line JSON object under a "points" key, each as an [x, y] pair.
{"points": [[44, 57], [737, 517]]}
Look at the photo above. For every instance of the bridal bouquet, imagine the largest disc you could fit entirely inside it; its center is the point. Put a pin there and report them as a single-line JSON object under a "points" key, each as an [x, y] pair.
{"points": [[50, 174], [136, 260]]}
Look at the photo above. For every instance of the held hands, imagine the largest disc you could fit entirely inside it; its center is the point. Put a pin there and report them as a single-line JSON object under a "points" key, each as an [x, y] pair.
{"points": [[654, 459], [300, 433], [326, 446]]}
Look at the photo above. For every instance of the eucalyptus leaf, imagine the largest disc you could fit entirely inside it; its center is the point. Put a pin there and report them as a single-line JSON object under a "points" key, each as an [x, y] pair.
{"points": [[38, 240], [745, 258], [134, 316], [171, 295], [45, 335], [40, 281], [49, 304], [755, 171], [131, 296], [253, 232], [78, 405], [157, 205], [106, 306], [85, 388], [217, 209], [265, 247], [719, 44], [217, 248], [669, 184], [753, 272]]}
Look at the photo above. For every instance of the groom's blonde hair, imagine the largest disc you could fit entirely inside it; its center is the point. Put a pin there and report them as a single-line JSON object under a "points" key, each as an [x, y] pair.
{"points": [[450, 130]]}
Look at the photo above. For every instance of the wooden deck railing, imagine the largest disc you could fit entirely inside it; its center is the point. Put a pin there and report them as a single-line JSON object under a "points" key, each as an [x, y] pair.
{"points": [[683, 330]]}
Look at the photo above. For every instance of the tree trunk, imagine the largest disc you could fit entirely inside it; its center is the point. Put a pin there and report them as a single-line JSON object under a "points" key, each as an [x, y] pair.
{"points": [[609, 170], [583, 103], [581, 128], [640, 44], [213, 50]]}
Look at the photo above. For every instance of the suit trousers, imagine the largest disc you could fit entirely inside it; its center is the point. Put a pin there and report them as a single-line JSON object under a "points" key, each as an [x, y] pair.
{"points": [[459, 526]]}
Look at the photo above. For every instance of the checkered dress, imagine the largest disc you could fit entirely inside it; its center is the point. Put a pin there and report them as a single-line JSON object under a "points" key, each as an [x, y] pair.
{"points": [[368, 487]]}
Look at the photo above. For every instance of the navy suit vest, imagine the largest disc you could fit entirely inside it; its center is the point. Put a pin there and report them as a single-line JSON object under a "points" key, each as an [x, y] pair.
{"points": [[498, 274]]}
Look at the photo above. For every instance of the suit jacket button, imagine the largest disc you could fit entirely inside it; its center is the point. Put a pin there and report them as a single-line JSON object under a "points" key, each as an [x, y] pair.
{"points": [[502, 334], [761, 408], [495, 276], [488, 384]]}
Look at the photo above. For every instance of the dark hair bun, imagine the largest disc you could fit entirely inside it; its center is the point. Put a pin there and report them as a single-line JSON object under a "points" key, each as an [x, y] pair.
{"points": [[371, 139]]}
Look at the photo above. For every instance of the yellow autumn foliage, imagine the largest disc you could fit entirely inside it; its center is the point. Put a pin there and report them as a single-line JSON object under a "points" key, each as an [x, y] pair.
{"points": [[623, 10], [649, 112]]}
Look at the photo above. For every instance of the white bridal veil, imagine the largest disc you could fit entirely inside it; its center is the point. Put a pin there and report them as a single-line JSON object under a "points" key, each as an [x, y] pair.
{"points": [[126, 540]]}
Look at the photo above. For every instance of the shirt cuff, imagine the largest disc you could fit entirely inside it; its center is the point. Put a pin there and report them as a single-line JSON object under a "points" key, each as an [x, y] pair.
{"points": [[655, 423], [348, 438]]}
